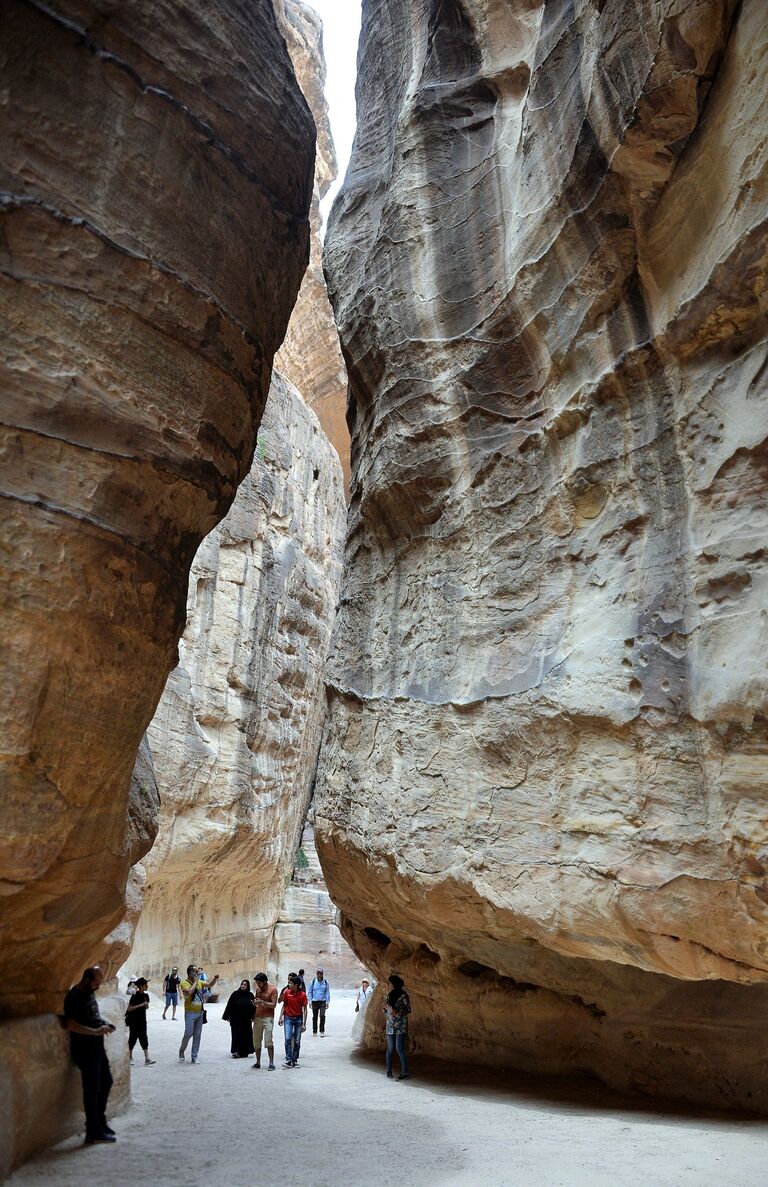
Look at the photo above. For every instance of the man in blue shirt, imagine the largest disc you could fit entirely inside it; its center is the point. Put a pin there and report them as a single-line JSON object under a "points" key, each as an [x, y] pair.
{"points": [[319, 995]]}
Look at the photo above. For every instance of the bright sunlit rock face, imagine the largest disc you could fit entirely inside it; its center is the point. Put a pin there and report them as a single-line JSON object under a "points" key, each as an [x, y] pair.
{"points": [[542, 787], [153, 245], [236, 733]]}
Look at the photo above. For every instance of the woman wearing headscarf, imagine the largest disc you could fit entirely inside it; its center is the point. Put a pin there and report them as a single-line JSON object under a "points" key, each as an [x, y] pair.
{"points": [[239, 1013], [397, 1008]]}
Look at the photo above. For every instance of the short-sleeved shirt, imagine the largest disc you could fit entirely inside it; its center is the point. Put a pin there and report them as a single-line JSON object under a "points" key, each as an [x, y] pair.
{"points": [[266, 1000], [294, 1003], [397, 1015], [137, 1018], [192, 1005], [172, 982], [81, 1006]]}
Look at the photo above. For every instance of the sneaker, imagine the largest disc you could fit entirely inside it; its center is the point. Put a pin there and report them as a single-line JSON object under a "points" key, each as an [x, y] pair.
{"points": [[103, 1136], [404, 1077], [150, 1062], [108, 1129], [271, 1067], [195, 1061], [182, 1057], [255, 1065], [390, 1076]]}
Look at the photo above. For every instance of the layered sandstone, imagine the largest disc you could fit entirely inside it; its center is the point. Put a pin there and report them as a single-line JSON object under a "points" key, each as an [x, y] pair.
{"points": [[541, 793], [154, 238], [310, 357], [237, 730], [306, 932]]}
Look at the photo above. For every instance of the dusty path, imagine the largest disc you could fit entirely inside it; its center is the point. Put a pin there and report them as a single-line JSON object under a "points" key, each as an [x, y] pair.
{"points": [[337, 1121]]}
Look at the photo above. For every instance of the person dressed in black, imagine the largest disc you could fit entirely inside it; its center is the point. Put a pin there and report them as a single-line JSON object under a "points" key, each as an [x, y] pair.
{"points": [[239, 1012], [136, 1019], [301, 981], [86, 1036]]}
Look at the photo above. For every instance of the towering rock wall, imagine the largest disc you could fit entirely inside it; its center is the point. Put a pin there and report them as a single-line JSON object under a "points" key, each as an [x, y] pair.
{"points": [[154, 238], [310, 357], [541, 792], [237, 730]]}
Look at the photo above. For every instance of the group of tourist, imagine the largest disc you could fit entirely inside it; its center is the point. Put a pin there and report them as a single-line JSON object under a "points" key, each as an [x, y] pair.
{"points": [[249, 1012]]}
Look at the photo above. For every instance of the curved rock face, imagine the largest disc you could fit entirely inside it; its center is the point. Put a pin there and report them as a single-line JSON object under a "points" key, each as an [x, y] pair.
{"points": [[547, 740], [236, 734], [310, 357], [153, 244]]}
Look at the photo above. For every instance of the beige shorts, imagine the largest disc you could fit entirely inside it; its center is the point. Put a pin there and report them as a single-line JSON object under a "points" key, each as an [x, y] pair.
{"points": [[263, 1028]]}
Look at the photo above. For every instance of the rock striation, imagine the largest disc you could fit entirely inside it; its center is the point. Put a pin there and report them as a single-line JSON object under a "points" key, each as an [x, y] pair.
{"points": [[541, 793], [236, 734], [306, 932], [310, 356], [153, 241]]}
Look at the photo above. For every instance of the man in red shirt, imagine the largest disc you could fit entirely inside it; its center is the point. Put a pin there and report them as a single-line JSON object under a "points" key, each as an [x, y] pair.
{"points": [[293, 1017]]}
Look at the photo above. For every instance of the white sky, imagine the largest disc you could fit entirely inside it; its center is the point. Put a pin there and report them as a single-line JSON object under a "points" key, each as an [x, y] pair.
{"points": [[341, 29]]}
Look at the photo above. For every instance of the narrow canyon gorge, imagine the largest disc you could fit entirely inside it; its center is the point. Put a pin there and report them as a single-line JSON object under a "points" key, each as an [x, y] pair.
{"points": [[395, 602]]}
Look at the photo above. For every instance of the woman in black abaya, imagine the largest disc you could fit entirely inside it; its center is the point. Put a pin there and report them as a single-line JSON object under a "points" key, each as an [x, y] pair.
{"points": [[239, 1014]]}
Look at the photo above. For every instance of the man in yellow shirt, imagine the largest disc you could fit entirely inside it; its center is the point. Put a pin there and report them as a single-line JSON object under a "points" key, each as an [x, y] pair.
{"points": [[194, 990]]}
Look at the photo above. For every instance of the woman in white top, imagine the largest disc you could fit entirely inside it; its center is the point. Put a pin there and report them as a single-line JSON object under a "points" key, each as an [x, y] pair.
{"points": [[363, 994]]}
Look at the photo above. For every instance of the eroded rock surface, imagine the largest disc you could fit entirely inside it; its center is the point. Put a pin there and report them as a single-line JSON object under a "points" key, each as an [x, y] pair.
{"points": [[541, 793], [153, 243], [306, 933], [310, 357], [236, 734]]}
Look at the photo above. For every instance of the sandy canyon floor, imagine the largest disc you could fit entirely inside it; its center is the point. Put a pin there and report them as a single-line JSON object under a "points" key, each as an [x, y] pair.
{"points": [[336, 1120]]}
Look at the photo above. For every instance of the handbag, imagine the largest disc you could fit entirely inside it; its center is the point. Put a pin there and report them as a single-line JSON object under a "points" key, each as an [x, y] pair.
{"points": [[205, 1017]]}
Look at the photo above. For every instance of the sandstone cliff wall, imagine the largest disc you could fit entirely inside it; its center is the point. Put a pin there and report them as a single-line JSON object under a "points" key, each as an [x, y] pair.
{"points": [[547, 743], [306, 932], [310, 356], [153, 244], [237, 730]]}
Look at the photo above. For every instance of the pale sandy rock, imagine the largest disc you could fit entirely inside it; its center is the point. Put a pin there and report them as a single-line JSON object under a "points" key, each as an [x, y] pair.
{"points": [[143, 821], [310, 357], [542, 787], [306, 933], [153, 243], [237, 730]]}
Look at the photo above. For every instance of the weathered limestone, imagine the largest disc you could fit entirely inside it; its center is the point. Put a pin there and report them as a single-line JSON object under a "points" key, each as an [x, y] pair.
{"points": [[154, 238], [310, 356], [237, 730], [541, 792], [306, 934]]}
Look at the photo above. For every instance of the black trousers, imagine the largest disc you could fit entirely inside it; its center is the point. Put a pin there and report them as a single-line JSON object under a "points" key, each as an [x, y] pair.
{"points": [[318, 1008], [138, 1034], [97, 1082]]}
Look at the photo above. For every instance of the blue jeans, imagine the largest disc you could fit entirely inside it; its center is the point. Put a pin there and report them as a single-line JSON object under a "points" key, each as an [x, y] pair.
{"points": [[193, 1029], [292, 1028], [399, 1042]]}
